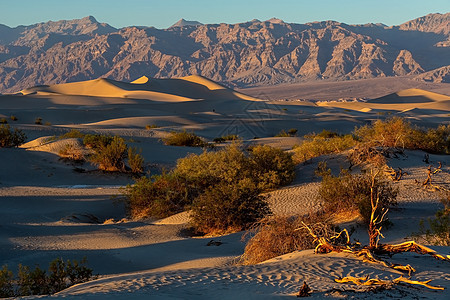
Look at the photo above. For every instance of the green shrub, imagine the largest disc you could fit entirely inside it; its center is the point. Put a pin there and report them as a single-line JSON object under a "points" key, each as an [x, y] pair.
{"points": [[3, 121], [291, 132], [111, 157], [14, 118], [432, 140], [159, 196], [316, 145], [228, 137], [72, 134], [277, 235], [271, 167], [184, 138], [38, 121], [10, 138], [348, 192], [228, 208], [60, 276], [97, 141], [151, 126], [436, 231], [6, 283], [135, 161]]}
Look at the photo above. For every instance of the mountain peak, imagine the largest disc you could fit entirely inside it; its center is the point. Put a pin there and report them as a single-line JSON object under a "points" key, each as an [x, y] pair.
{"points": [[275, 21], [182, 22]]}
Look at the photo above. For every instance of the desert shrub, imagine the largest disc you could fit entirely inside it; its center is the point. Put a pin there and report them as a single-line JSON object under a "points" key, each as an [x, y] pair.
{"points": [[13, 118], [434, 140], [159, 196], [289, 133], [6, 282], [36, 282], [97, 141], [38, 121], [436, 230], [352, 192], [315, 145], [111, 157], [10, 138], [225, 208], [209, 168], [271, 167], [3, 121], [228, 137], [183, 138], [48, 123], [72, 152], [392, 132], [277, 235], [365, 154], [151, 126], [135, 160], [72, 134]]}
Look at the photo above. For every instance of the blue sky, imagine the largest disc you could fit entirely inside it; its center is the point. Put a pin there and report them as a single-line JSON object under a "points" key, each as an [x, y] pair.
{"points": [[163, 13]]}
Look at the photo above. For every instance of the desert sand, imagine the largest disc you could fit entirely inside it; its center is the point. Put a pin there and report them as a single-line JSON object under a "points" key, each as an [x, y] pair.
{"points": [[49, 210]]}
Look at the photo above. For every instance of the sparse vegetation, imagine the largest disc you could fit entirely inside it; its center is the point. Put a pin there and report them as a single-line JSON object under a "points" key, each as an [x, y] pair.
{"points": [[277, 235], [224, 208], [184, 138], [3, 121], [14, 118], [151, 126], [159, 196], [228, 137], [352, 192], [72, 152], [28, 282], [38, 121], [223, 185], [135, 161], [11, 138], [72, 134], [436, 230], [322, 144], [110, 157], [291, 132]]}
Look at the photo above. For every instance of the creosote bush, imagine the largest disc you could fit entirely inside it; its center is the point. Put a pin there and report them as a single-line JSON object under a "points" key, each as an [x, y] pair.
{"points": [[11, 138], [228, 137], [228, 208], [277, 235], [184, 138], [28, 282], [352, 192], [135, 161], [221, 188], [158, 196], [436, 230], [111, 157], [322, 144]]}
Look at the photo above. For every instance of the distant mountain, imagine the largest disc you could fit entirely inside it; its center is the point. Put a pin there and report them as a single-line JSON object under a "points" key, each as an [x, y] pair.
{"points": [[244, 54], [183, 22]]}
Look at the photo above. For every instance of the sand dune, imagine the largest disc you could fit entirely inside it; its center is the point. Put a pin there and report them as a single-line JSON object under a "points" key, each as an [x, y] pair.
{"points": [[410, 96], [167, 90]]}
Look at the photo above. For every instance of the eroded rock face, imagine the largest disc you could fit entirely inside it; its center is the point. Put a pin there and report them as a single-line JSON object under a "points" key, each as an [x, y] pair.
{"points": [[244, 54]]}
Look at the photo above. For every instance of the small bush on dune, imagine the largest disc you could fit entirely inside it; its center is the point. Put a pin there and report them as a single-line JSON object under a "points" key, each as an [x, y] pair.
{"points": [[271, 167], [224, 208], [111, 157], [348, 192], [3, 121], [184, 138], [316, 145], [97, 141], [10, 138], [72, 152], [72, 134], [277, 235], [158, 196], [38, 121], [151, 126], [436, 230], [224, 138], [14, 118], [135, 161], [61, 275]]}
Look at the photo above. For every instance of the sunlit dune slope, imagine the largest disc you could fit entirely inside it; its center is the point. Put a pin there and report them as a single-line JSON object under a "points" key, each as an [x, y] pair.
{"points": [[182, 89], [410, 96]]}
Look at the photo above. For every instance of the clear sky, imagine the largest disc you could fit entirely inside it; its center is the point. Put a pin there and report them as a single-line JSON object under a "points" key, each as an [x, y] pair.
{"points": [[163, 13]]}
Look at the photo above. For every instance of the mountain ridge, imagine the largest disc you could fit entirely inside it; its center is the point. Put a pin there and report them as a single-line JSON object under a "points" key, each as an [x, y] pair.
{"points": [[237, 55]]}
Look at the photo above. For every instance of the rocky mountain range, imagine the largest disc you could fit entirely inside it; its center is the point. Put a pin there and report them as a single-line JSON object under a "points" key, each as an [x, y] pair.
{"points": [[237, 55]]}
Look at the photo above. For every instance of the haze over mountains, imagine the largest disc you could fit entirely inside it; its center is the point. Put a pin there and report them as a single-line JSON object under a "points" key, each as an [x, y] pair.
{"points": [[240, 55]]}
